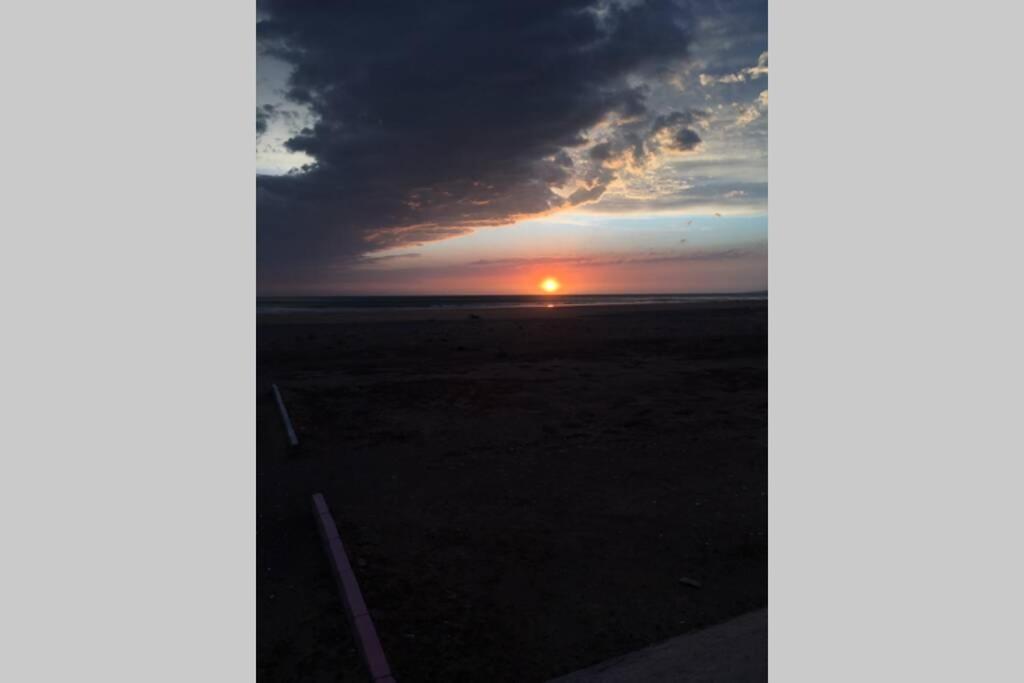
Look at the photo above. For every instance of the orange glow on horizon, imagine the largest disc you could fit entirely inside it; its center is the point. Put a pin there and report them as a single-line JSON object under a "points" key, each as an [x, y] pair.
{"points": [[550, 285]]}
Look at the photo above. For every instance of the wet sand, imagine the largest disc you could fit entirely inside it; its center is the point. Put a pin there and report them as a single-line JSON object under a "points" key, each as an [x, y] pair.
{"points": [[523, 493]]}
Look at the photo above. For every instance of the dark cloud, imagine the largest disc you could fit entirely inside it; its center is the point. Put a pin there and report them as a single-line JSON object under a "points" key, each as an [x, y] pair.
{"points": [[640, 140], [268, 112], [677, 119], [601, 152], [435, 117], [563, 159], [587, 194], [389, 257], [684, 140]]}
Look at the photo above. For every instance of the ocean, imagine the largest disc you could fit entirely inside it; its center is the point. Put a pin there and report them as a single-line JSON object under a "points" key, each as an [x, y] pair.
{"points": [[329, 304]]}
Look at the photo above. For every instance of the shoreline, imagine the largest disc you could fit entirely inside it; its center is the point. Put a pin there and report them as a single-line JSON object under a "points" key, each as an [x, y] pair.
{"points": [[506, 312]]}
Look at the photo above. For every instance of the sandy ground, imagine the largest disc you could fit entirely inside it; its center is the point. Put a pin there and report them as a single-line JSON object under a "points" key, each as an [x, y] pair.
{"points": [[524, 493]]}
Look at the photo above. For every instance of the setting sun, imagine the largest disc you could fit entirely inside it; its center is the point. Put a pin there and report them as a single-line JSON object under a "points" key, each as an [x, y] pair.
{"points": [[550, 285]]}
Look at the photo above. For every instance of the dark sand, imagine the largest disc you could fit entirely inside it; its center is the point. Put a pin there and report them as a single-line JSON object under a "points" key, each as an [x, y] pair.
{"points": [[522, 495]]}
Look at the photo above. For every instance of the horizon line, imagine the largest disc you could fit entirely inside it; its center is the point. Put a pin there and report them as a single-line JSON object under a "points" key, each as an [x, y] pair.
{"points": [[539, 296]]}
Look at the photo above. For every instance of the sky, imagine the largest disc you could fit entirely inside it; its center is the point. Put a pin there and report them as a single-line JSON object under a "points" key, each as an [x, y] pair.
{"points": [[619, 146]]}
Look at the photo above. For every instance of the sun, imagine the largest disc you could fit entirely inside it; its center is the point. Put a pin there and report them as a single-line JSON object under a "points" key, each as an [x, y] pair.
{"points": [[550, 285]]}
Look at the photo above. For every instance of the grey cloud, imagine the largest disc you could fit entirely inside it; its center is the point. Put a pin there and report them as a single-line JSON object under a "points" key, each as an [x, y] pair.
{"points": [[431, 119], [685, 140], [707, 254]]}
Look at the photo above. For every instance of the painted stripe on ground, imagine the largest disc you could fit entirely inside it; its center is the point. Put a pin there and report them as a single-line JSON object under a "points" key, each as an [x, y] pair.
{"points": [[355, 607], [284, 416]]}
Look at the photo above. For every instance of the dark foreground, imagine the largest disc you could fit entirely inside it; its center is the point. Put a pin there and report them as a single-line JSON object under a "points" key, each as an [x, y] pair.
{"points": [[522, 494]]}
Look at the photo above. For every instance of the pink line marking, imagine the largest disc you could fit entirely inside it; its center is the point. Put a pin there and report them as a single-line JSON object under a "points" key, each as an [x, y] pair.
{"points": [[355, 607], [292, 439]]}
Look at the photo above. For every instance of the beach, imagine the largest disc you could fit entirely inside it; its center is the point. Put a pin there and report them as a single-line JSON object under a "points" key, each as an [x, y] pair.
{"points": [[523, 492]]}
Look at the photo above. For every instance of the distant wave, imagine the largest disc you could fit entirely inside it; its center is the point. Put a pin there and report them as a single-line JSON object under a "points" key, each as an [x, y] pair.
{"points": [[329, 304]]}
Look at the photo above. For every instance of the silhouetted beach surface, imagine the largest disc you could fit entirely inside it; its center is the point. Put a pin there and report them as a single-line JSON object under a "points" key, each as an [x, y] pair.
{"points": [[523, 491], [268, 306]]}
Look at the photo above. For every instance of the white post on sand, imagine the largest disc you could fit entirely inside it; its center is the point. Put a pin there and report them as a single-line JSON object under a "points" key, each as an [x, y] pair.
{"points": [[284, 416]]}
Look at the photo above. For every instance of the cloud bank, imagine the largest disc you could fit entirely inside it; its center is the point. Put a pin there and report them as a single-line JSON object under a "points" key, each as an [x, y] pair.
{"points": [[434, 118]]}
